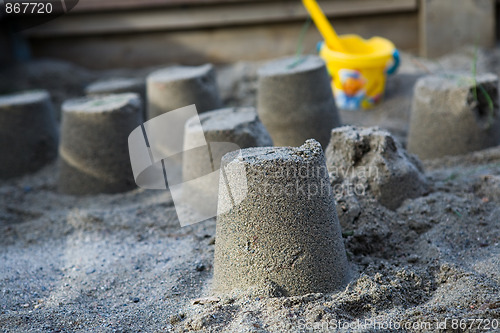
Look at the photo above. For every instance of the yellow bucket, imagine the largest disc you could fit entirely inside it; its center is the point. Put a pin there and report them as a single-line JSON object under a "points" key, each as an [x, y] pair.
{"points": [[359, 73]]}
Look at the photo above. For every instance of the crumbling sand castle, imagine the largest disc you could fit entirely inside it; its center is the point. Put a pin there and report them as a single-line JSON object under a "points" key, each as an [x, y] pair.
{"points": [[118, 86], [295, 101], [454, 114], [93, 150], [175, 87], [370, 160], [285, 234], [239, 126], [28, 132]]}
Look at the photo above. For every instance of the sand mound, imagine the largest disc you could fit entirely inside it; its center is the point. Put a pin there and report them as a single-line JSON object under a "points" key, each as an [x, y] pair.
{"points": [[371, 159]]}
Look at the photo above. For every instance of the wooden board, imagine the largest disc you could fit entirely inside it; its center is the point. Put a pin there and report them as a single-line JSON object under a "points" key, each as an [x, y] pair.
{"points": [[446, 25], [217, 45], [197, 17]]}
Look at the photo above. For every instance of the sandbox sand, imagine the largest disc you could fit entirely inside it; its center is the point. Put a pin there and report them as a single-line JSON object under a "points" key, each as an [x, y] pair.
{"points": [[120, 263]]}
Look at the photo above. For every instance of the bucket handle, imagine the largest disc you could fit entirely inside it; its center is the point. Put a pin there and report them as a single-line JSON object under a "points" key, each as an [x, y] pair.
{"points": [[396, 61]]}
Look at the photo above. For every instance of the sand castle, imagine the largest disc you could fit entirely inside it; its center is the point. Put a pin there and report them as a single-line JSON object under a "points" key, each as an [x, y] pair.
{"points": [[285, 233], [295, 101], [239, 126], [93, 150], [118, 86], [372, 160], [175, 87], [454, 114], [28, 132]]}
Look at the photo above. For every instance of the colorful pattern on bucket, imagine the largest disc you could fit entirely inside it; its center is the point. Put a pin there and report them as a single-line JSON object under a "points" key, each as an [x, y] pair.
{"points": [[356, 89]]}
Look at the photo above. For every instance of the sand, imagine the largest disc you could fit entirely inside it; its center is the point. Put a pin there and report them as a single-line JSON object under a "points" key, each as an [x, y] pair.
{"points": [[216, 133], [295, 101], [93, 152], [28, 132], [174, 87], [122, 263], [454, 114], [118, 86], [368, 160], [284, 237]]}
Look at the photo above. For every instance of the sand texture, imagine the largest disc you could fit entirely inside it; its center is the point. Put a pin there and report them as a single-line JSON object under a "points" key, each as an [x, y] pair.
{"points": [[178, 86], [120, 85], [284, 238], [122, 263], [453, 114], [93, 152], [28, 132], [371, 160], [295, 101], [224, 130]]}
